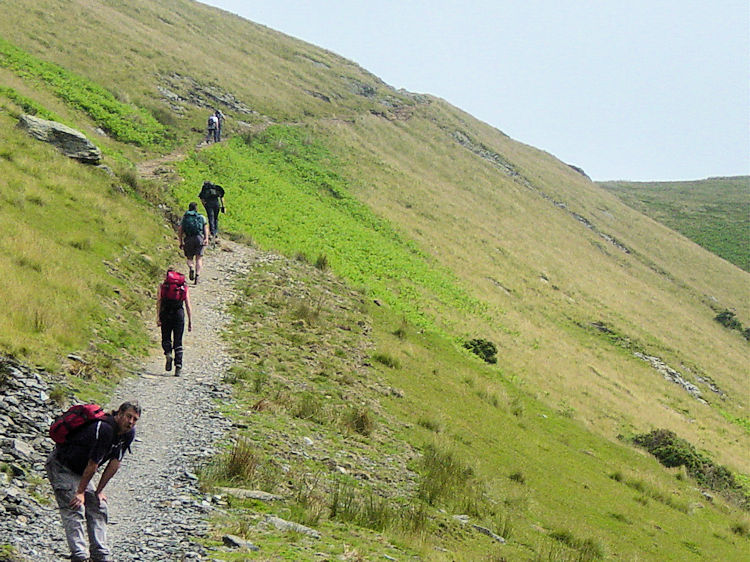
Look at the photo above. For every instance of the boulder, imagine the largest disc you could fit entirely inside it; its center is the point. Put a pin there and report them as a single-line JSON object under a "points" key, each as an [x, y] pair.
{"points": [[70, 142]]}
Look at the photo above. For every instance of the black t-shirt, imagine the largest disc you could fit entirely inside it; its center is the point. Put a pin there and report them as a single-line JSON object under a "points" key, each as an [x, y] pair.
{"points": [[97, 441], [210, 194]]}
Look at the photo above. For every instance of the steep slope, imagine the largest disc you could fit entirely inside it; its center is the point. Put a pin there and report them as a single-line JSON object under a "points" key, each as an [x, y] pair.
{"points": [[599, 313]]}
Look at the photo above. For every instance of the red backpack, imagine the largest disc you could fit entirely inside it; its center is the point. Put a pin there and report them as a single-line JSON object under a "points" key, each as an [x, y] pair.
{"points": [[74, 418], [173, 288]]}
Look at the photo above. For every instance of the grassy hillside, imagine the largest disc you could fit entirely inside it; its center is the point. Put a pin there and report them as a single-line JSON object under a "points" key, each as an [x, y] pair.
{"points": [[604, 320], [714, 213]]}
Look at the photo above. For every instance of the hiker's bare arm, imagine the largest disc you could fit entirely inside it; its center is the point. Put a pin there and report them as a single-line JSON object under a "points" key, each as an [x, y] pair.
{"points": [[189, 311], [88, 474], [110, 470], [158, 308], [179, 234]]}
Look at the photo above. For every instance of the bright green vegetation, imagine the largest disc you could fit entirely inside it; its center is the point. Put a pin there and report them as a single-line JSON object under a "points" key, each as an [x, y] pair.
{"points": [[76, 256], [714, 213], [673, 451], [124, 122], [27, 105], [435, 447], [287, 195], [459, 232]]}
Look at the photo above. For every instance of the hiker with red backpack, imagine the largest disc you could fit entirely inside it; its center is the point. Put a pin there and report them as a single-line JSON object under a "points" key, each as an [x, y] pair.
{"points": [[193, 237], [170, 316], [86, 437]]}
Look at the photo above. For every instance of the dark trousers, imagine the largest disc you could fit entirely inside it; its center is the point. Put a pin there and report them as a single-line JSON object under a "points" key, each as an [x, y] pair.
{"points": [[213, 218], [172, 328]]}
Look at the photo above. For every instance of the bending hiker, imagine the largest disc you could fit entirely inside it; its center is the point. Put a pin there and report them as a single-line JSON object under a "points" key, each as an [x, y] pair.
{"points": [[170, 315], [212, 197], [219, 125], [213, 124], [70, 469], [193, 236]]}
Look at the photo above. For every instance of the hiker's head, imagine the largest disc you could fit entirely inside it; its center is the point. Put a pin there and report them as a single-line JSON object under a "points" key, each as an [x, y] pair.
{"points": [[126, 416], [193, 206]]}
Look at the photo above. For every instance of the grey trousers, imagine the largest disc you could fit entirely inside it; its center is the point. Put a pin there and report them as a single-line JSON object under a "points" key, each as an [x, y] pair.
{"points": [[90, 520]]}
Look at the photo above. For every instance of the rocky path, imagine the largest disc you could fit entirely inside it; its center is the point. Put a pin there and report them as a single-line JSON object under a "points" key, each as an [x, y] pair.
{"points": [[153, 508], [155, 504]]}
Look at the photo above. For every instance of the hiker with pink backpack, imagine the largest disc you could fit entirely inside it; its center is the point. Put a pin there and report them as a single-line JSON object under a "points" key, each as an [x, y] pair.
{"points": [[170, 316]]}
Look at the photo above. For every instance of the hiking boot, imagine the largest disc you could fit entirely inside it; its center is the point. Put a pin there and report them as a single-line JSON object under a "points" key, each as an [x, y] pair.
{"points": [[178, 370], [191, 275], [196, 278], [168, 365]]}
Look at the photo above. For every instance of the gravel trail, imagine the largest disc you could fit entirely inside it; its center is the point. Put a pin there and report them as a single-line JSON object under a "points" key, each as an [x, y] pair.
{"points": [[153, 510], [155, 506]]}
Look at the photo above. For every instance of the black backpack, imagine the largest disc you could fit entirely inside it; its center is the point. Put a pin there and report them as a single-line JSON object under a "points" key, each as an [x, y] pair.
{"points": [[212, 191]]}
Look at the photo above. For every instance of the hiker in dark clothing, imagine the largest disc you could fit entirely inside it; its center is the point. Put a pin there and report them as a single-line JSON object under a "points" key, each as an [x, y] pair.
{"points": [[193, 237], [219, 125], [170, 316], [70, 469], [212, 197]]}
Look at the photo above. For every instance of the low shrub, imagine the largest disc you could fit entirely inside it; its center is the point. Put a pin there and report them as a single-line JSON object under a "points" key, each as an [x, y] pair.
{"points": [[484, 349], [672, 451], [728, 319]]}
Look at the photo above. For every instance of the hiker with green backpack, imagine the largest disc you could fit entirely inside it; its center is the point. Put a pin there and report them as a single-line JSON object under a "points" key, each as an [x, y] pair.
{"points": [[193, 237]]}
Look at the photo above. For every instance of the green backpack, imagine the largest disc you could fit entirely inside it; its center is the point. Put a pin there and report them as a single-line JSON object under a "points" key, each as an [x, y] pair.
{"points": [[192, 223]]}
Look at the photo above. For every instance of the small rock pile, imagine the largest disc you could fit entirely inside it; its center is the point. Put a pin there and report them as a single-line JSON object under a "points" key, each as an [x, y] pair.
{"points": [[28, 516]]}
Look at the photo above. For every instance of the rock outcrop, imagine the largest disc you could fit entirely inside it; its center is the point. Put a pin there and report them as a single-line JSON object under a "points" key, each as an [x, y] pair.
{"points": [[69, 141]]}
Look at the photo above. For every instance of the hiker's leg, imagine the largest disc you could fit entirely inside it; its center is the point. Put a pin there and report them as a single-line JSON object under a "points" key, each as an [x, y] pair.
{"points": [[179, 330], [213, 217], [96, 525], [166, 335], [64, 483]]}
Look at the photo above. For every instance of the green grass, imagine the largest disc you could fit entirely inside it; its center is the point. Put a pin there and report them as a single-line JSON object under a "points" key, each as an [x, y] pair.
{"points": [[542, 466], [287, 195], [125, 122], [75, 259], [371, 187], [714, 213]]}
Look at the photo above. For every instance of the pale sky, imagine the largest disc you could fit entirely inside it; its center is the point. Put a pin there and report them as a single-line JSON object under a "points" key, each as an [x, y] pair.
{"points": [[625, 89]]}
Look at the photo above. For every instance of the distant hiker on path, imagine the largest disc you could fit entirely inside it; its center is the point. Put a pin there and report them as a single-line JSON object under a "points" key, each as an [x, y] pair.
{"points": [[219, 125], [212, 197], [193, 237], [70, 469], [213, 127], [170, 316]]}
